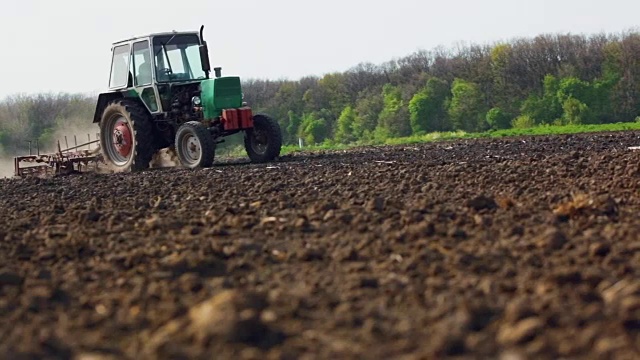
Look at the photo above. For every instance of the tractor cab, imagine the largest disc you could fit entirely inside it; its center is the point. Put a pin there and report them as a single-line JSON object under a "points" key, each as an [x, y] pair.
{"points": [[150, 65], [159, 58]]}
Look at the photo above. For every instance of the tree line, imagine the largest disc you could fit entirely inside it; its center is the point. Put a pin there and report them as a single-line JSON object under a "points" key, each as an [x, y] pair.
{"points": [[552, 79]]}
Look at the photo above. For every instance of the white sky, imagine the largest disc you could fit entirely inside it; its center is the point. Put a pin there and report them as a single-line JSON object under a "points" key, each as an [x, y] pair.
{"points": [[64, 45]]}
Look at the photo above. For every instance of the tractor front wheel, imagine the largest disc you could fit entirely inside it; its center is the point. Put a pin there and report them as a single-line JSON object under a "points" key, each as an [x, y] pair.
{"points": [[264, 141], [126, 138], [194, 145]]}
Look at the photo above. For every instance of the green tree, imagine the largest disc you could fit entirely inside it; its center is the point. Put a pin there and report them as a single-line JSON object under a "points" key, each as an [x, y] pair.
{"points": [[467, 110], [575, 95], [368, 108], [330, 95], [506, 94], [47, 136], [604, 89], [575, 112], [523, 122], [394, 117], [3, 140], [498, 119], [427, 107], [603, 100], [344, 132], [313, 129], [621, 61], [548, 108], [573, 87], [292, 127], [285, 107]]}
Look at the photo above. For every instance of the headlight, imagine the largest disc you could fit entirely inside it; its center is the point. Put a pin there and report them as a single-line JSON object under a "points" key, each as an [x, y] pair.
{"points": [[196, 101]]}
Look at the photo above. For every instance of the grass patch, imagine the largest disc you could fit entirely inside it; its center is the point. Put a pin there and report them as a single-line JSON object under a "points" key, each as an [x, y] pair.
{"points": [[537, 130], [237, 150], [288, 149], [565, 129], [430, 137], [442, 136]]}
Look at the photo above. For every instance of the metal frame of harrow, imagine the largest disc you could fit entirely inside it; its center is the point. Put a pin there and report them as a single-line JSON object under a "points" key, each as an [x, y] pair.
{"points": [[66, 161]]}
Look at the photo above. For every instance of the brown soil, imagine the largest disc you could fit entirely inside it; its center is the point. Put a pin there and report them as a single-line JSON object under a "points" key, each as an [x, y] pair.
{"points": [[519, 248]]}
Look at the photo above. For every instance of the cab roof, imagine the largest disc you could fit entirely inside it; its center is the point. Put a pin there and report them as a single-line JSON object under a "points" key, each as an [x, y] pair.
{"points": [[157, 34]]}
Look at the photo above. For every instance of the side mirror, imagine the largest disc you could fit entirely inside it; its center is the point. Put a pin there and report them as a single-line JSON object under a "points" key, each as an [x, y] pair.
{"points": [[204, 58]]}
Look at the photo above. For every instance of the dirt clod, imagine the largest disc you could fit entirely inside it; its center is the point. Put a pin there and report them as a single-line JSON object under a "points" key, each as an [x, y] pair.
{"points": [[232, 315], [551, 239], [523, 331], [9, 278], [482, 202]]}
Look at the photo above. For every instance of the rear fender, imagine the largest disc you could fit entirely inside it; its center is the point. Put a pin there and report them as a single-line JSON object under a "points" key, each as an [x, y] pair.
{"points": [[103, 100]]}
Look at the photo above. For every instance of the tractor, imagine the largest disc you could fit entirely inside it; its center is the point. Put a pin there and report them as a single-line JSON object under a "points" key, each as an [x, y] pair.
{"points": [[161, 95]]}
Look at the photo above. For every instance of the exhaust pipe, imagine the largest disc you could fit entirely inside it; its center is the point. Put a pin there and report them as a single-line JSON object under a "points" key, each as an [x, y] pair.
{"points": [[204, 54]]}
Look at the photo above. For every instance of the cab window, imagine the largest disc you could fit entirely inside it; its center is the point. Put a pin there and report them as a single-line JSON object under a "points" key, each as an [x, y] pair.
{"points": [[142, 63], [120, 67]]}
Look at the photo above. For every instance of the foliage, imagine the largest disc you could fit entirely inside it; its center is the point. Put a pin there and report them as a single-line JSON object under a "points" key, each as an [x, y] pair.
{"points": [[546, 108], [575, 88], [427, 108], [293, 125], [345, 129], [523, 122], [575, 112], [498, 119], [393, 120], [467, 106], [368, 107], [313, 129]]}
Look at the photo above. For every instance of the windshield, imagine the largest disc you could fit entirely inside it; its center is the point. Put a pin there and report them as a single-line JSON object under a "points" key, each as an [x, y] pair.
{"points": [[177, 58]]}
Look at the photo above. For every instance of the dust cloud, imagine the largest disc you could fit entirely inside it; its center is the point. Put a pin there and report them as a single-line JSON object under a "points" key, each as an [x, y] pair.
{"points": [[165, 158], [75, 132], [6, 167]]}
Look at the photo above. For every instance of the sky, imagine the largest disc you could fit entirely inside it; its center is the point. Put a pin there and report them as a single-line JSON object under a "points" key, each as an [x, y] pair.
{"points": [[64, 45]]}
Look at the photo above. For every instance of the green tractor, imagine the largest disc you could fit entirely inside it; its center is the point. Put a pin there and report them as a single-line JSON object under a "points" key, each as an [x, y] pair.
{"points": [[161, 96]]}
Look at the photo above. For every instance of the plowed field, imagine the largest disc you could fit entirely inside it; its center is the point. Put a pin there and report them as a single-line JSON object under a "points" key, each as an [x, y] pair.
{"points": [[515, 248]]}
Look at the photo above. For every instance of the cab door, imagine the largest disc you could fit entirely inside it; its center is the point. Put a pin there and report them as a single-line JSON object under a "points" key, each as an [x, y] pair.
{"points": [[142, 69]]}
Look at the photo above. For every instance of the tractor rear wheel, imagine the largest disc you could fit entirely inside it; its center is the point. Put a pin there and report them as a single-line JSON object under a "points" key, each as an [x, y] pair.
{"points": [[264, 141], [194, 145], [126, 136]]}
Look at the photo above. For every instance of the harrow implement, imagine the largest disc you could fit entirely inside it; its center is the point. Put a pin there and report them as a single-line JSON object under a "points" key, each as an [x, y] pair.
{"points": [[64, 161]]}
